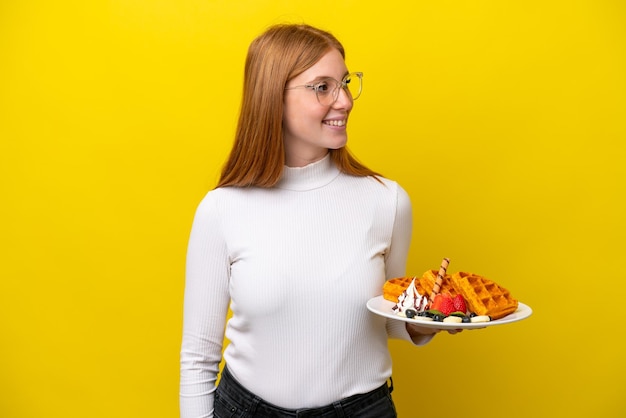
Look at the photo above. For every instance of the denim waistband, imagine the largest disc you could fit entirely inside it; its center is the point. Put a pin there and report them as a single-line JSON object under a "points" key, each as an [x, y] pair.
{"points": [[248, 401]]}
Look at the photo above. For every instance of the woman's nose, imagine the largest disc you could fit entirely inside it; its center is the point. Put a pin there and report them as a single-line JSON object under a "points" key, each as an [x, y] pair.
{"points": [[344, 99]]}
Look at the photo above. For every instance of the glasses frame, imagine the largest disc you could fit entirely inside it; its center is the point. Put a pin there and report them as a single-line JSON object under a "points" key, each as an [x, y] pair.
{"points": [[339, 84]]}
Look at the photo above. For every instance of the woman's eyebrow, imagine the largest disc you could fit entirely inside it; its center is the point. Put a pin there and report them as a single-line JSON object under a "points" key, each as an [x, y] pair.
{"points": [[323, 77]]}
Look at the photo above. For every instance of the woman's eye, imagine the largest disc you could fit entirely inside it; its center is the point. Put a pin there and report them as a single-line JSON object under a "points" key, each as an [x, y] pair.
{"points": [[322, 87]]}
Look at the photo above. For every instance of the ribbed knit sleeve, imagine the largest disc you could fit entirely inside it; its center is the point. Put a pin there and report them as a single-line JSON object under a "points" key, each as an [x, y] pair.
{"points": [[395, 261], [205, 310], [396, 256]]}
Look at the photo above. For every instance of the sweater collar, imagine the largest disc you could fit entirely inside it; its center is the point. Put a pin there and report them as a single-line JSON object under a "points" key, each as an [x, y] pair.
{"points": [[309, 177]]}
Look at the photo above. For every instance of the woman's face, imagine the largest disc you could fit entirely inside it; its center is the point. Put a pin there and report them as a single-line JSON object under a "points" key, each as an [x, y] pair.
{"points": [[311, 129]]}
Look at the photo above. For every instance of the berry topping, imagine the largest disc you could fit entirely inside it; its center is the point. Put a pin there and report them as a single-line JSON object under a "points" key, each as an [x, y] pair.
{"points": [[459, 304], [438, 318], [436, 305], [447, 306]]}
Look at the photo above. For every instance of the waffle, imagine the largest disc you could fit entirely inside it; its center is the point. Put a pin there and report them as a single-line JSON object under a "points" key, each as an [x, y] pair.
{"points": [[424, 285], [430, 277], [483, 296], [393, 288]]}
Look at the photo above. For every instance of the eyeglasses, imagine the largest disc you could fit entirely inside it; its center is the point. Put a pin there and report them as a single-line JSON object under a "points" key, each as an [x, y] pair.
{"points": [[327, 89]]}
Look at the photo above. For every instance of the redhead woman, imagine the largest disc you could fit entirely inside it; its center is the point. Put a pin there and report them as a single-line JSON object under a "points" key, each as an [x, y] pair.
{"points": [[295, 239]]}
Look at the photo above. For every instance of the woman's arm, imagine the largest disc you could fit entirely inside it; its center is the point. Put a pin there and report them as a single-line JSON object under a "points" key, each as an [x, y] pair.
{"points": [[395, 265], [205, 309]]}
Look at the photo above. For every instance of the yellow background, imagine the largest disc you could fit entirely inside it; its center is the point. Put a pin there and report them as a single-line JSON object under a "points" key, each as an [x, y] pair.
{"points": [[504, 120]]}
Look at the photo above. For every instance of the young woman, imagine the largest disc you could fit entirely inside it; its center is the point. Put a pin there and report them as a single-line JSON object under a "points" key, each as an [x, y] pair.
{"points": [[296, 237]]}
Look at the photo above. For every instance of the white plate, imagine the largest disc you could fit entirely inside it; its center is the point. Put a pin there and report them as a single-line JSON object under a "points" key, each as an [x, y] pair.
{"points": [[381, 306]]}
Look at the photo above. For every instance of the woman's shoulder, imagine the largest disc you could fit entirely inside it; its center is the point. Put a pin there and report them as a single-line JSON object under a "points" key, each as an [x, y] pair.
{"points": [[387, 181], [392, 188], [382, 184], [381, 188], [228, 193], [220, 196]]}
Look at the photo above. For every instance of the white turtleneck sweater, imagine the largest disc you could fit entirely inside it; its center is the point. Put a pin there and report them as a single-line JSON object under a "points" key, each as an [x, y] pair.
{"points": [[297, 263]]}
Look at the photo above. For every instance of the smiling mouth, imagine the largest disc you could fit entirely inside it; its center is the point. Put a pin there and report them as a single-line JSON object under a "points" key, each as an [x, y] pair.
{"points": [[341, 122]]}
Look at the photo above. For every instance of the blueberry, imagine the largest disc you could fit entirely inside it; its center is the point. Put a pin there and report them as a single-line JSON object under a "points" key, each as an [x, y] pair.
{"points": [[466, 319], [473, 314], [410, 313], [438, 318]]}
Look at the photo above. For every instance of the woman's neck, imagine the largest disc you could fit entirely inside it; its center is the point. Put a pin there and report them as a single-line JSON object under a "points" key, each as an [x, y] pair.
{"points": [[310, 176]]}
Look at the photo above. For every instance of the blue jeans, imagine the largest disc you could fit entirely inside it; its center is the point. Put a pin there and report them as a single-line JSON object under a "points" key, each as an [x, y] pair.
{"points": [[234, 401]]}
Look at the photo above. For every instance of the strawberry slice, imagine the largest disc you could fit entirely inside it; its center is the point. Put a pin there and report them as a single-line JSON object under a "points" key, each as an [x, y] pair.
{"points": [[436, 305], [459, 304], [447, 305]]}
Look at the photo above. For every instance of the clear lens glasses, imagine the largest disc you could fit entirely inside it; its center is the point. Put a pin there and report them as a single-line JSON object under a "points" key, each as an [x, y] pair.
{"points": [[327, 89]]}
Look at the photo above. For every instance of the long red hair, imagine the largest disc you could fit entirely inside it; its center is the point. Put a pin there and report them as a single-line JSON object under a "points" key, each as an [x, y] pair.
{"points": [[275, 57]]}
